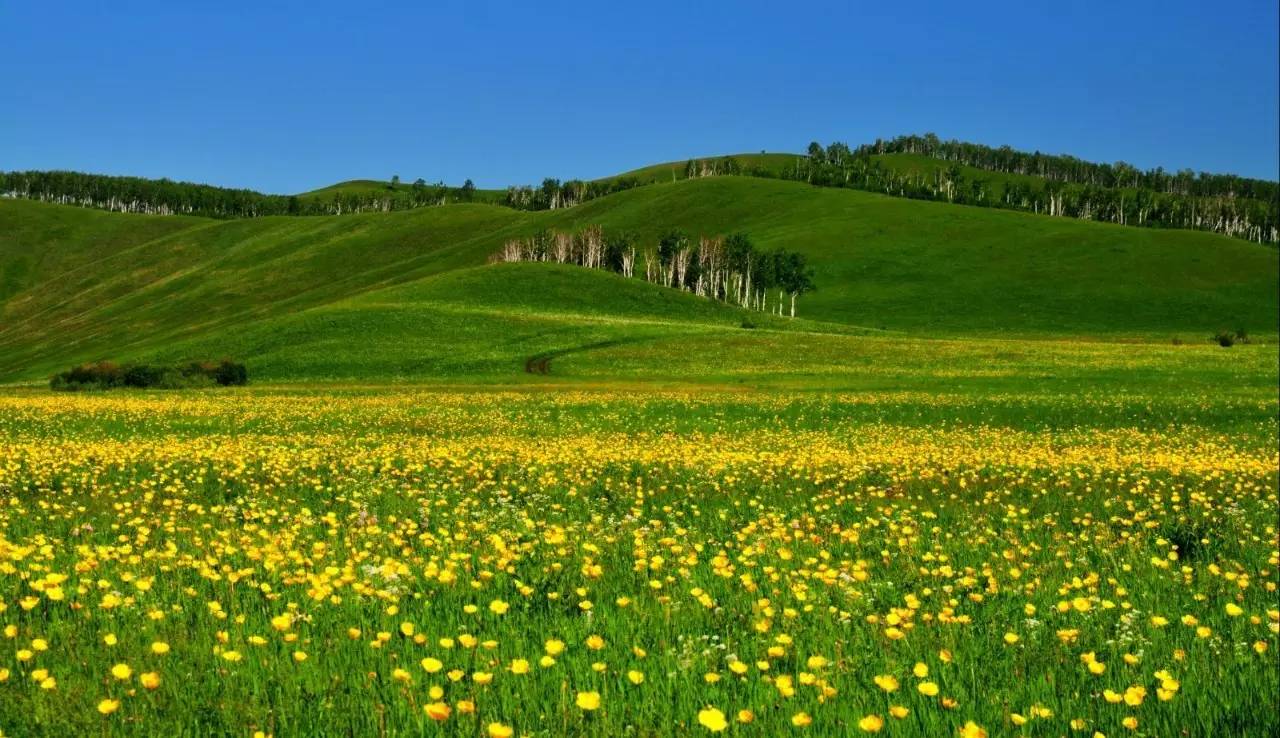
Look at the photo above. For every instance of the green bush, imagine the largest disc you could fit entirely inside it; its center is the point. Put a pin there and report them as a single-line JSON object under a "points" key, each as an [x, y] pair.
{"points": [[104, 375]]}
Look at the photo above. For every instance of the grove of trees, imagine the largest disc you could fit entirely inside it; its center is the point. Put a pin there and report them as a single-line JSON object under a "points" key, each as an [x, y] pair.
{"points": [[1063, 186], [167, 197], [726, 268]]}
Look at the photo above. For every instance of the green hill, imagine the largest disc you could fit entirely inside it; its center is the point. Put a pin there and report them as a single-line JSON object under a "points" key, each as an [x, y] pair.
{"points": [[293, 294], [382, 188]]}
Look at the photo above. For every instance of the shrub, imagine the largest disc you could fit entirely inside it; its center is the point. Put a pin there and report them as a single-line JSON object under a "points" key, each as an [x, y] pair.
{"points": [[748, 323], [141, 375], [104, 375], [1225, 339], [230, 373]]}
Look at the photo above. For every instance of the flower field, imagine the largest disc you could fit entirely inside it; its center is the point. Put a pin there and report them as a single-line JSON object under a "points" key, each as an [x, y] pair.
{"points": [[621, 562]]}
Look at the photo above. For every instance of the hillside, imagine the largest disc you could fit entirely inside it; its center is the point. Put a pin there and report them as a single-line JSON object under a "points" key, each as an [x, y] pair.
{"points": [[375, 188], [81, 284]]}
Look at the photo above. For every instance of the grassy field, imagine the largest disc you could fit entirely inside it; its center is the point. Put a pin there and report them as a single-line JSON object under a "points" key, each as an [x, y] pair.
{"points": [[993, 481], [612, 558], [900, 266]]}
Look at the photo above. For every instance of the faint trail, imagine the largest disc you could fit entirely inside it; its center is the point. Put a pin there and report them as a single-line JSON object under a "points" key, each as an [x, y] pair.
{"points": [[541, 363]]}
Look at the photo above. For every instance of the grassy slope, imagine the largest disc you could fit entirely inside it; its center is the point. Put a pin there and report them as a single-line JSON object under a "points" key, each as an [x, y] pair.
{"points": [[377, 187], [943, 269], [469, 324], [672, 171], [911, 266], [226, 273]]}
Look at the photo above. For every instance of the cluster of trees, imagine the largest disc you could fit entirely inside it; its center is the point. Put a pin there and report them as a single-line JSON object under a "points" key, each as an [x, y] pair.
{"points": [[1064, 168], [103, 375], [727, 268], [1114, 193], [554, 194], [166, 197]]}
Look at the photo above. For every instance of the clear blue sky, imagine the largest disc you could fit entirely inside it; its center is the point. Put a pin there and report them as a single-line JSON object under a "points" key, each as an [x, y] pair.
{"points": [[284, 97]]}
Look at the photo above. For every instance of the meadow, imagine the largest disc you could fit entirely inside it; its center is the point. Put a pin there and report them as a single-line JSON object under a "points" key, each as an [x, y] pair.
{"points": [[994, 480], [590, 557]]}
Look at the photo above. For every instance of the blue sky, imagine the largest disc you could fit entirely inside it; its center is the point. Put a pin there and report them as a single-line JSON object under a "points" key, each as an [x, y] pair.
{"points": [[284, 97]]}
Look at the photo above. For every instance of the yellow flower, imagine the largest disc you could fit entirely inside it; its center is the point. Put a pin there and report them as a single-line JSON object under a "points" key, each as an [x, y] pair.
{"points": [[519, 666], [972, 730], [594, 642], [437, 711], [159, 648], [801, 719], [108, 706], [498, 730], [1011, 638], [920, 670], [149, 679], [431, 665], [498, 607], [928, 689], [282, 622], [887, 683], [635, 677], [588, 701], [1133, 696], [121, 672], [871, 723], [299, 656], [898, 711], [712, 719], [1130, 722], [746, 716], [1234, 610], [554, 647]]}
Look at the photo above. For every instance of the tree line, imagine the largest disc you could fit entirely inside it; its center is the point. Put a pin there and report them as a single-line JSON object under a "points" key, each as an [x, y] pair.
{"points": [[1114, 193], [1066, 186], [726, 268], [167, 197]]}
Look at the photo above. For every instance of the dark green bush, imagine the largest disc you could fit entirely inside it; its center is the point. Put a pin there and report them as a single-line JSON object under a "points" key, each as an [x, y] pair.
{"points": [[1225, 339], [103, 375]]}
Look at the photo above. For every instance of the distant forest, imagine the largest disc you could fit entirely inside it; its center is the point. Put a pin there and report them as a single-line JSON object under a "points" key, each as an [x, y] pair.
{"points": [[1009, 179], [1113, 193], [725, 268], [167, 197]]}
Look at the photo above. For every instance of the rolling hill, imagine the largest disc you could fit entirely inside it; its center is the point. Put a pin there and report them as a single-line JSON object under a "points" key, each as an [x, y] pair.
{"points": [[407, 294]]}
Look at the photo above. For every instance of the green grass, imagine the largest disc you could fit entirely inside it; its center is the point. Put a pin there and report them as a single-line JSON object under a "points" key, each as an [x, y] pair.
{"points": [[980, 428], [83, 285], [380, 188], [703, 527], [673, 171]]}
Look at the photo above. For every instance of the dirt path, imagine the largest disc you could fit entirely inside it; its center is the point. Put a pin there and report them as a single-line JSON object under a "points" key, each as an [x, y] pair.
{"points": [[541, 363]]}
